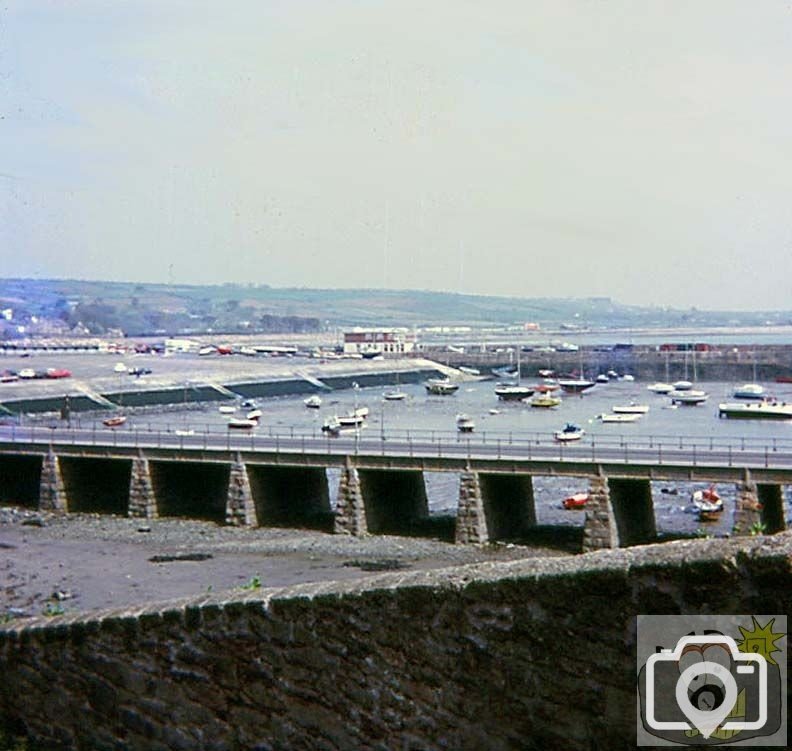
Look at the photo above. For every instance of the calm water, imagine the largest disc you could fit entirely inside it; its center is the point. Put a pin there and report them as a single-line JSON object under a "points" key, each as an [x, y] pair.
{"points": [[423, 412]]}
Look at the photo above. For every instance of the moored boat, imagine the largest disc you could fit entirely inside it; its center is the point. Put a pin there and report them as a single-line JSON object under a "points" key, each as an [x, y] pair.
{"points": [[749, 391], [767, 410], [630, 409], [227, 409], [660, 388], [313, 402], [114, 422], [570, 432], [237, 423], [441, 386], [604, 417], [394, 396], [707, 503], [512, 392], [602, 378], [689, 397], [465, 423], [682, 385], [548, 401], [575, 501], [254, 414], [575, 385]]}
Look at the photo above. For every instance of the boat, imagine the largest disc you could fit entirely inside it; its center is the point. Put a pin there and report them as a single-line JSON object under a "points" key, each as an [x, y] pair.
{"points": [[546, 373], [627, 377], [465, 423], [570, 432], [181, 432], [575, 385], [630, 409], [441, 386], [227, 409], [237, 423], [545, 400], [682, 386], [335, 425], [612, 374], [690, 397], [749, 391], [254, 414], [604, 417], [469, 371], [660, 388], [763, 410], [602, 378], [513, 392], [206, 351], [494, 411], [394, 396], [547, 387], [114, 422], [707, 503], [313, 402], [783, 379], [575, 501]]}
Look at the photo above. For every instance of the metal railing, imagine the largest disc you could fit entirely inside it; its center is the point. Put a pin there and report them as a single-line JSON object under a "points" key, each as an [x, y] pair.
{"points": [[711, 451]]}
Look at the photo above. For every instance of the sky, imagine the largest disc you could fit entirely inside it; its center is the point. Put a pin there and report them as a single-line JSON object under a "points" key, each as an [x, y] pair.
{"points": [[637, 150]]}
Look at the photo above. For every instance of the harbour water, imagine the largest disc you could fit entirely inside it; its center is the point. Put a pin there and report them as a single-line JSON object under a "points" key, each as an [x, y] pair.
{"points": [[421, 414]]}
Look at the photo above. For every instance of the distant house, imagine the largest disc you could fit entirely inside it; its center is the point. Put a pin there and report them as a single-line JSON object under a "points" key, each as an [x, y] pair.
{"points": [[378, 341]]}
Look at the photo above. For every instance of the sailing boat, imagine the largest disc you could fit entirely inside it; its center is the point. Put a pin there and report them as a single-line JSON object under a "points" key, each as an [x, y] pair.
{"points": [[684, 393], [576, 385], [512, 392], [750, 390], [662, 387], [395, 394]]}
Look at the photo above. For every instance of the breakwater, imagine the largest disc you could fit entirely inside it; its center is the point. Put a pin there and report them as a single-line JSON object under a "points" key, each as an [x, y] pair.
{"points": [[715, 363], [518, 655]]}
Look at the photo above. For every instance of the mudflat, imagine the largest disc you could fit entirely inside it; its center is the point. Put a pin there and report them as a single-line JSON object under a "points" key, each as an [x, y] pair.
{"points": [[82, 562]]}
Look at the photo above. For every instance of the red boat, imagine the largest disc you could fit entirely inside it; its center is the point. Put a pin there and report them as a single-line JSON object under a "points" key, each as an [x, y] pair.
{"points": [[114, 422], [783, 379], [578, 500], [58, 373]]}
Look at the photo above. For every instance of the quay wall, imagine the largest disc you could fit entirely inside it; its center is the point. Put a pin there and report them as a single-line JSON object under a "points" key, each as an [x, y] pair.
{"points": [[720, 363], [518, 655]]}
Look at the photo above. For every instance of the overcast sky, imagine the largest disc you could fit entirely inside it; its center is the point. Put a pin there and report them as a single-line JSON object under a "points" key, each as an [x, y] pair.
{"points": [[640, 149]]}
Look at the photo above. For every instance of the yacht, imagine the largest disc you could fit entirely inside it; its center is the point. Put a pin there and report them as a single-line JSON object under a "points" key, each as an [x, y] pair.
{"points": [[570, 432], [749, 391], [660, 388], [631, 409], [313, 402], [604, 417], [512, 392], [441, 386], [688, 396], [756, 410], [575, 385], [465, 423]]}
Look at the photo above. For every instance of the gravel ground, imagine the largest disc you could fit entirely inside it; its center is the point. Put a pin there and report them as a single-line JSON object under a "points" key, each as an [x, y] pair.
{"points": [[82, 562]]}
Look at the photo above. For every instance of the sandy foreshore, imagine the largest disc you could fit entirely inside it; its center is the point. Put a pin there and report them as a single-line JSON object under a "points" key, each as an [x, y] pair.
{"points": [[82, 562]]}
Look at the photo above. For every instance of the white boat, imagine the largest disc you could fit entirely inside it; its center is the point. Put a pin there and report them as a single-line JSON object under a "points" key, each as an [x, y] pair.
{"points": [[441, 386], [689, 396], [660, 388], [612, 374], [242, 424], [465, 423], [206, 351], [394, 396], [254, 414], [575, 385], [313, 402], [512, 392], [627, 377], [227, 409], [766, 410], [630, 409], [335, 425], [707, 503], [469, 371], [604, 417], [570, 432], [749, 391], [682, 386], [184, 432], [602, 378]]}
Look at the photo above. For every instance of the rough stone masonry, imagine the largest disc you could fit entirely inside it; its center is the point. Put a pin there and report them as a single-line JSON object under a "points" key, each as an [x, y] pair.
{"points": [[518, 655]]}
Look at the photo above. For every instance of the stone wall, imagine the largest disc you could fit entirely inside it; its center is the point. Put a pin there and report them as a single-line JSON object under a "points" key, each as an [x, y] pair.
{"points": [[520, 655]]}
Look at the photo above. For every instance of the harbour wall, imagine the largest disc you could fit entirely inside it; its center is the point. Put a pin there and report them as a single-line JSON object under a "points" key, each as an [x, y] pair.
{"points": [[719, 363], [181, 396], [535, 654]]}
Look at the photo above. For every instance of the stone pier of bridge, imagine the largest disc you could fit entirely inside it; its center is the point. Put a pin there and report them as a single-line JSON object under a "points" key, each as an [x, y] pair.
{"points": [[492, 505]]}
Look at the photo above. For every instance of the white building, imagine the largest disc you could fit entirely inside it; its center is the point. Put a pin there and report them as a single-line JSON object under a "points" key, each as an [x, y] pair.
{"points": [[378, 341]]}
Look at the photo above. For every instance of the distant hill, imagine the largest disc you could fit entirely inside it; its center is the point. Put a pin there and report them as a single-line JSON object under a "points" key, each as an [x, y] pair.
{"points": [[62, 305]]}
